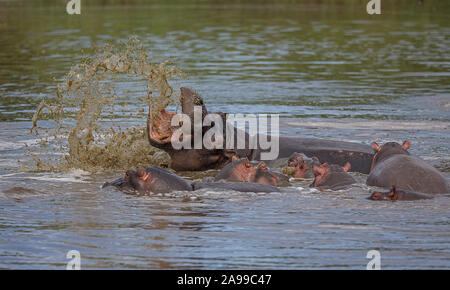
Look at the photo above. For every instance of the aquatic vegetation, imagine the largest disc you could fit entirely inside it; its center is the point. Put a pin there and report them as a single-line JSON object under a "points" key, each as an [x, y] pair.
{"points": [[81, 128]]}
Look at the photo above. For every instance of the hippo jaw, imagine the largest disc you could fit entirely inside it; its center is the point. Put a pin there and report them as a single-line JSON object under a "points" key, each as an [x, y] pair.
{"points": [[161, 131], [159, 124]]}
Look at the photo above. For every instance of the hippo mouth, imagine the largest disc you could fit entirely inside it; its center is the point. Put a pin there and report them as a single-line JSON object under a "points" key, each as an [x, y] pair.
{"points": [[159, 124], [166, 135], [160, 130]]}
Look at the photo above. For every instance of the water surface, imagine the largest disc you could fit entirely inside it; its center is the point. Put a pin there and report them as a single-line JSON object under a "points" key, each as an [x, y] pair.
{"points": [[330, 71]]}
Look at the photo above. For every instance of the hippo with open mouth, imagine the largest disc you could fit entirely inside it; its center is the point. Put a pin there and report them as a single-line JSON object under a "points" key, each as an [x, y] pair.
{"points": [[161, 133], [302, 165]]}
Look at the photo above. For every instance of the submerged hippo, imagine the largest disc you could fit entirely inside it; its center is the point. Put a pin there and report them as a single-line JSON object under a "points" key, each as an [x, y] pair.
{"points": [[155, 179], [392, 165], [243, 170], [332, 176], [301, 165], [236, 186], [161, 132], [395, 194]]}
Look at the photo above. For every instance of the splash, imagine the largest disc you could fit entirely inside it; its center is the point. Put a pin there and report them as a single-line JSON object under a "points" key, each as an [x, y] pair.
{"points": [[83, 132]]}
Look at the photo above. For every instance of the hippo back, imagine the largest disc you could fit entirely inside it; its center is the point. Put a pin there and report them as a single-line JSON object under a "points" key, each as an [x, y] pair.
{"points": [[236, 186], [167, 181], [408, 173], [336, 179]]}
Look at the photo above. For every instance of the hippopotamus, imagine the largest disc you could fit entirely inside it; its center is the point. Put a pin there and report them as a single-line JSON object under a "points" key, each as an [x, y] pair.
{"points": [[301, 166], [332, 176], [155, 179], [243, 170], [395, 194], [393, 165], [236, 186], [161, 132]]}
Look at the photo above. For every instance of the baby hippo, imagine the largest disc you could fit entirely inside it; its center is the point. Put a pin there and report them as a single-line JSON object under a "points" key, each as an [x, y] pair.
{"points": [[302, 166], [242, 170], [332, 176], [395, 194], [153, 179]]}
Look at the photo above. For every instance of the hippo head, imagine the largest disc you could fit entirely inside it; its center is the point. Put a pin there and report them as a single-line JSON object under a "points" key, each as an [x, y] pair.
{"points": [[140, 180], [265, 176], [301, 166], [323, 172], [391, 195], [387, 150], [161, 132], [241, 170]]}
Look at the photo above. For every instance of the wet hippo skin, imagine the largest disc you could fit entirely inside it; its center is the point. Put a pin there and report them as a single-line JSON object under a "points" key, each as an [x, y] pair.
{"points": [[244, 170], [236, 186], [160, 133], [301, 165], [393, 166], [155, 179], [332, 176], [394, 195]]}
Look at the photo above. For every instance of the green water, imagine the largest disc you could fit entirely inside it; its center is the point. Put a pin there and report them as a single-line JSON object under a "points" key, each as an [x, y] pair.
{"points": [[329, 69]]}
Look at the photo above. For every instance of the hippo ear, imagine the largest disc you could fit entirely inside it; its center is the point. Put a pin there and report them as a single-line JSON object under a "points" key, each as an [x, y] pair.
{"points": [[406, 145], [347, 167], [262, 166], [392, 192], [319, 170], [376, 147], [247, 163], [142, 174]]}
